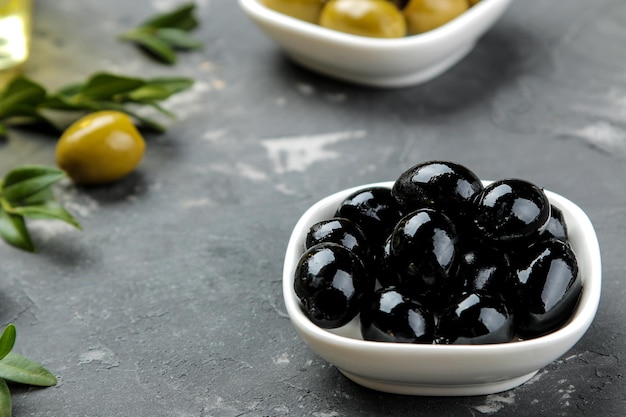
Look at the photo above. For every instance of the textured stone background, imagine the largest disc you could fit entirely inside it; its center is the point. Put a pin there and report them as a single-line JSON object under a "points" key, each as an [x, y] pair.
{"points": [[169, 302]]}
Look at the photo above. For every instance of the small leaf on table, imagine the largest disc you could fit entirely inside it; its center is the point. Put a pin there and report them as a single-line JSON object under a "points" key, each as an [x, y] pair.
{"points": [[6, 407], [26, 181], [48, 210], [105, 85], [7, 340], [13, 231], [180, 18], [17, 368]]}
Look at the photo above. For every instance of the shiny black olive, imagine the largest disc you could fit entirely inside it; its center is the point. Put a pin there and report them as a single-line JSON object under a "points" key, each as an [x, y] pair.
{"points": [[375, 211], [557, 228], [440, 185], [341, 231], [389, 316], [486, 269], [548, 288], [330, 281], [424, 251], [383, 268], [512, 211], [476, 318]]}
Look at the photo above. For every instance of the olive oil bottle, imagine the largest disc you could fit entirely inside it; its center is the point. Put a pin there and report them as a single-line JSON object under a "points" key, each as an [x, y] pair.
{"points": [[15, 32]]}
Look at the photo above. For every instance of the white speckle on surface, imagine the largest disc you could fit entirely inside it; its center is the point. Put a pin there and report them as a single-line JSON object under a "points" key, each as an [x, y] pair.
{"points": [[200, 202], [241, 170], [336, 98], [305, 89], [326, 414], [296, 154], [74, 201], [47, 229], [284, 189], [604, 136], [495, 402], [281, 359], [536, 377], [214, 135], [100, 355]]}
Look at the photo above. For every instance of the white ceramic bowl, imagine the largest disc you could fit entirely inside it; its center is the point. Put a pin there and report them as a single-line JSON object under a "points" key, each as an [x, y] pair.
{"points": [[372, 61], [444, 369]]}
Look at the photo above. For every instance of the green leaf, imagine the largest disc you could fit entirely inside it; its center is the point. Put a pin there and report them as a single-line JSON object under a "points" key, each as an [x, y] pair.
{"points": [[40, 197], [149, 93], [160, 89], [178, 38], [159, 49], [18, 368], [104, 86], [7, 340], [13, 231], [48, 210], [174, 84], [180, 18], [3, 130], [21, 91], [6, 407], [25, 181]]}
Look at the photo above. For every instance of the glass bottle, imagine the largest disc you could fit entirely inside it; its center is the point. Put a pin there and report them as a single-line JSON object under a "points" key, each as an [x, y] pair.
{"points": [[15, 32]]}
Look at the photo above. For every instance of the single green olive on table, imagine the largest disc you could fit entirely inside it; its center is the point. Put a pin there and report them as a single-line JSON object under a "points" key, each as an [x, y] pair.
{"points": [[19, 369], [374, 18], [100, 148]]}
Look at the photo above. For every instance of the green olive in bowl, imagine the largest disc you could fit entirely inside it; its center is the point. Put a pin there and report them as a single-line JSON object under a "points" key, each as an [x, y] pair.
{"points": [[373, 18], [424, 15], [307, 10]]}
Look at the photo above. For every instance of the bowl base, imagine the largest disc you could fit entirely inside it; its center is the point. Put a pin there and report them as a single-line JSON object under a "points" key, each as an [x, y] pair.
{"points": [[439, 390], [385, 81]]}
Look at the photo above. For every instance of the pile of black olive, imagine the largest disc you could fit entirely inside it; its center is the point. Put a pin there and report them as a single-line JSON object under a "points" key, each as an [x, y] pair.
{"points": [[441, 258]]}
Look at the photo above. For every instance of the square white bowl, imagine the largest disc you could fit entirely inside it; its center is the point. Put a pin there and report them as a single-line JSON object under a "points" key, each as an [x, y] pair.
{"points": [[377, 62], [444, 370]]}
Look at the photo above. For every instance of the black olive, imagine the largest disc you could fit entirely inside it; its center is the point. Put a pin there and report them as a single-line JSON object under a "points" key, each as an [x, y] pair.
{"points": [[383, 268], [341, 231], [548, 288], [486, 269], [330, 281], [389, 316], [557, 228], [424, 251], [476, 318], [439, 185], [512, 211], [374, 210]]}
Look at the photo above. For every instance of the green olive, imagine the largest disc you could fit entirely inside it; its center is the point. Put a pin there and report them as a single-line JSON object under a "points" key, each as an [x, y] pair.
{"points": [[307, 10], [425, 15], [374, 18]]}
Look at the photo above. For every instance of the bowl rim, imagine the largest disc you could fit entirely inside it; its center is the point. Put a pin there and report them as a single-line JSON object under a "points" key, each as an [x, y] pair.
{"points": [[574, 329], [449, 29]]}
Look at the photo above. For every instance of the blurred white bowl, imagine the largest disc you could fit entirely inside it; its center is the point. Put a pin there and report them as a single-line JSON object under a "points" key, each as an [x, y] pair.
{"points": [[444, 369], [373, 61]]}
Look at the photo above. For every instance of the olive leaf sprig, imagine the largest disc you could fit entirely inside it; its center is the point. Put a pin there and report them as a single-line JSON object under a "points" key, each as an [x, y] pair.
{"points": [[26, 192], [163, 34], [23, 100], [17, 368]]}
